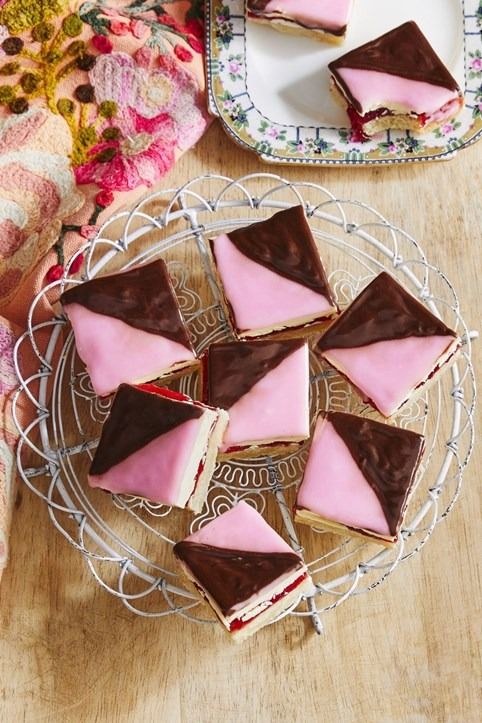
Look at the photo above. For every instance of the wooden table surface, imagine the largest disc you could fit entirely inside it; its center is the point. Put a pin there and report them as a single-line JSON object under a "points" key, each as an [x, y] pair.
{"points": [[407, 653]]}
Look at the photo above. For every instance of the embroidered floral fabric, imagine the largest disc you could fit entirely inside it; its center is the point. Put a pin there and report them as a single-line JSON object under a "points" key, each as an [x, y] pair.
{"points": [[97, 102]]}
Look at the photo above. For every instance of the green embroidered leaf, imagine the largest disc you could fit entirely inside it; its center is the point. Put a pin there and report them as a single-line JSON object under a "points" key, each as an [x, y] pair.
{"points": [[20, 15]]}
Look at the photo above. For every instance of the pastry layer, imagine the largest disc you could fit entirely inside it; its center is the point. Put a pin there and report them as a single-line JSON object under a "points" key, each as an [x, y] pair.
{"points": [[115, 352], [335, 488], [329, 15], [261, 299], [388, 371]]}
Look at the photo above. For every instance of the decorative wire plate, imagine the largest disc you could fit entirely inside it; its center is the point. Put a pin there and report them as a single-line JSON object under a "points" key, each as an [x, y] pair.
{"points": [[127, 541]]}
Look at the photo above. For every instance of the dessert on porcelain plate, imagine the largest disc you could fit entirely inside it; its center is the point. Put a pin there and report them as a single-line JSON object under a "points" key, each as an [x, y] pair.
{"points": [[271, 90], [320, 19], [396, 81]]}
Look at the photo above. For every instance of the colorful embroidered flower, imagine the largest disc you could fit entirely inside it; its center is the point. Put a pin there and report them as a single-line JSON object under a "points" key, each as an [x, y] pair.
{"points": [[183, 53], [89, 231], [168, 89], [104, 198], [54, 273], [8, 378], [141, 157], [102, 43], [119, 27], [76, 264]]}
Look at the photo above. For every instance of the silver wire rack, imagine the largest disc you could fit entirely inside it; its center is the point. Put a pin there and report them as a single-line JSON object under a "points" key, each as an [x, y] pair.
{"points": [[127, 541]]}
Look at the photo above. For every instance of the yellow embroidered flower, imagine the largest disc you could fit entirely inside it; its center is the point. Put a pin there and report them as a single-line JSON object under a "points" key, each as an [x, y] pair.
{"points": [[156, 92]]}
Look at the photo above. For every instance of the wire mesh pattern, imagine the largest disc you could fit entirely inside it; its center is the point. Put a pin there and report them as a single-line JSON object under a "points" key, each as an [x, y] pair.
{"points": [[127, 541]]}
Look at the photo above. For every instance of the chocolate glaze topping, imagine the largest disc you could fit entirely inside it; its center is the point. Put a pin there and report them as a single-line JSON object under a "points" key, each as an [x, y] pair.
{"points": [[284, 244], [258, 7], [403, 51], [137, 418], [383, 310], [233, 368], [231, 577], [142, 297], [387, 456]]}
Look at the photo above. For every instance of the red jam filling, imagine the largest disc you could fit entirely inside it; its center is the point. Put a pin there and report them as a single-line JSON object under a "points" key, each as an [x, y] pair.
{"points": [[163, 392], [358, 121], [240, 448], [238, 623]]}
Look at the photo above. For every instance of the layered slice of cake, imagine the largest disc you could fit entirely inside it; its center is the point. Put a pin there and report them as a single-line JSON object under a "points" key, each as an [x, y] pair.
{"points": [[272, 276], [395, 81], [388, 345], [159, 445], [358, 477], [244, 569], [321, 19], [264, 385], [128, 327]]}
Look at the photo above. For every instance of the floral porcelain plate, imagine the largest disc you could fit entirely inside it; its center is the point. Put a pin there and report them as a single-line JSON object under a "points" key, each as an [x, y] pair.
{"points": [[270, 89]]}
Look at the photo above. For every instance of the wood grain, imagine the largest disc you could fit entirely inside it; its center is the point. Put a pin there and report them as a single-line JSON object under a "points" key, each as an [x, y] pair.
{"points": [[407, 653]]}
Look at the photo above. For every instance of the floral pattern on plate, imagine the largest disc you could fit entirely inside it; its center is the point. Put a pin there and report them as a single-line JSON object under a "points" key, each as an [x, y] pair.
{"points": [[229, 98]]}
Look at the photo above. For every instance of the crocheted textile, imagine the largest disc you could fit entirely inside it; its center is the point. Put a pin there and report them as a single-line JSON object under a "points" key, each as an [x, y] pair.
{"points": [[97, 102]]}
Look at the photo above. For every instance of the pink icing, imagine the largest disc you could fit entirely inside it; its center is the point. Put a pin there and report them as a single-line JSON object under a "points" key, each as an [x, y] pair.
{"points": [[259, 297], [277, 407], [332, 14], [114, 352], [241, 528], [334, 487], [156, 470], [373, 89], [387, 371]]}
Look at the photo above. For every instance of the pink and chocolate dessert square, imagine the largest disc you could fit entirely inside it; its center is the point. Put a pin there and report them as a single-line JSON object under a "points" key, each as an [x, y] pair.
{"points": [[272, 277], [128, 327], [264, 386], [321, 19], [244, 569], [396, 81], [358, 477], [388, 345], [159, 445]]}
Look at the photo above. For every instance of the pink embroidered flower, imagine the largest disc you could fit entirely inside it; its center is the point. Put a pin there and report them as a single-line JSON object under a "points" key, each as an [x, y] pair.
{"points": [[196, 44], [88, 232], [55, 273], [194, 27], [183, 53], [76, 264], [102, 43], [104, 198], [447, 128], [151, 92], [118, 27], [143, 156], [476, 64], [143, 56], [8, 378], [138, 29]]}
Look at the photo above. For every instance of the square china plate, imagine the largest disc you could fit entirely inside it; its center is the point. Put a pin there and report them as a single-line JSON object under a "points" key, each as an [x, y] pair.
{"points": [[270, 89]]}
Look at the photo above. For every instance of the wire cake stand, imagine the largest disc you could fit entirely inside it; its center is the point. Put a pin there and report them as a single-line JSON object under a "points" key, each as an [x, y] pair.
{"points": [[127, 541]]}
